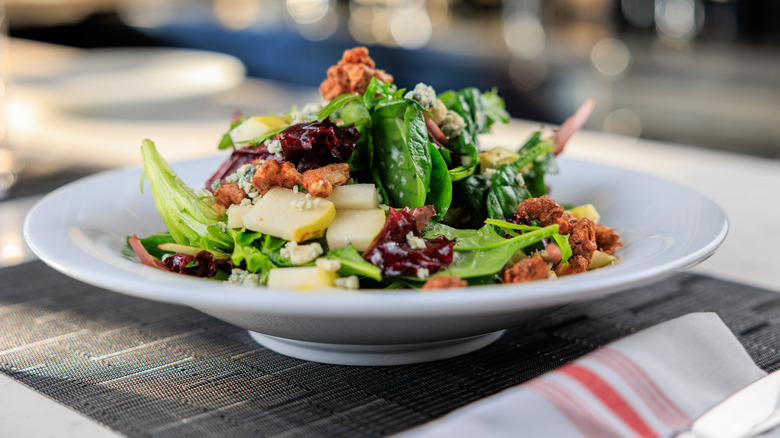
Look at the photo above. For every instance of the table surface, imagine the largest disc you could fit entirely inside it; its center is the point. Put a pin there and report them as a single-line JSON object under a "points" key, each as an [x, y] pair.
{"points": [[746, 188]]}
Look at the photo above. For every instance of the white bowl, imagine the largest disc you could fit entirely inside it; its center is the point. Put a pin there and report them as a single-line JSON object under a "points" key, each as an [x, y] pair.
{"points": [[80, 230]]}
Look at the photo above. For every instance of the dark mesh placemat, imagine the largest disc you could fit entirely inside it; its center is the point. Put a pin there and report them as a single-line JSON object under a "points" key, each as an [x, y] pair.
{"points": [[150, 369]]}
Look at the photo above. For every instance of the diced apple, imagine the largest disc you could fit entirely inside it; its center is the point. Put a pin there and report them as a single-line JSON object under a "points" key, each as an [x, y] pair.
{"points": [[601, 259], [356, 227], [496, 157], [290, 215], [587, 210], [303, 278], [256, 127], [235, 215], [354, 197]]}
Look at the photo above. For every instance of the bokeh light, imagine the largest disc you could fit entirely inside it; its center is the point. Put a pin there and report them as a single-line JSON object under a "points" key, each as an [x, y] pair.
{"points": [[410, 27], [623, 121], [611, 58], [237, 14], [524, 36], [678, 21]]}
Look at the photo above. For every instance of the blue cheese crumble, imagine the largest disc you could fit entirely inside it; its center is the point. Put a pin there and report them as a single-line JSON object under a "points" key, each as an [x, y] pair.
{"points": [[301, 254], [244, 278], [307, 113], [452, 124], [275, 147], [243, 178], [414, 241], [424, 95], [350, 282]]}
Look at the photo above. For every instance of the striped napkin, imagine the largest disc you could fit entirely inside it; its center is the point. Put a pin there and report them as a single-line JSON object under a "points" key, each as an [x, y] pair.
{"points": [[649, 384]]}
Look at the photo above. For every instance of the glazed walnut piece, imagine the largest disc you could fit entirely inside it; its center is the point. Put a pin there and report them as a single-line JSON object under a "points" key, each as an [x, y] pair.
{"points": [[229, 193], [608, 239], [577, 265], [270, 174], [352, 74], [319, 182], [445, 282], [526, 269], [543, 209]]}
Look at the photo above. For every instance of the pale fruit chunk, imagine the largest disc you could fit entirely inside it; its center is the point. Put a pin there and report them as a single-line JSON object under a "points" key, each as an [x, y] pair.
{"points": [[290, 215], [496, 157], [354, 197], [256, 127], [303, 278], [235, 215], [587, 210], [601, 259], [356, 227]]}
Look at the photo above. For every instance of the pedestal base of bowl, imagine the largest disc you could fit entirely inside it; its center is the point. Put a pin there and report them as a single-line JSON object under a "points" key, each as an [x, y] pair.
{"points": [[375, 355]]}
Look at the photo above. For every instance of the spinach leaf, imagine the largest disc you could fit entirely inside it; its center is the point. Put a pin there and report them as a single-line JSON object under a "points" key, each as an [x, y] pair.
{"points": [[468, 156], [486, 252], [401, 153], [436, 229], [495, 110], [440, 187], [471, 198], [488, 238], [336, 105], [470, 264], [353, 264], [504, 194], [484, 238]]}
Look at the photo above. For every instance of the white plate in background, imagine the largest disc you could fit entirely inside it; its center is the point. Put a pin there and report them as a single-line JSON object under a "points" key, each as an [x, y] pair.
{"points": [[95, 78]]}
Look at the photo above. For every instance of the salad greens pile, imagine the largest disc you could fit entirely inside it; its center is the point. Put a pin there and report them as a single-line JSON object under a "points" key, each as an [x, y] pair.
{"points": [[451, 207]]}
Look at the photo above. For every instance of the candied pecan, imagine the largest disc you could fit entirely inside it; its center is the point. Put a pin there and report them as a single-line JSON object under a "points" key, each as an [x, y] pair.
{"points": [[229, 193], [445, 282], [583, 238], [271, 174], [607, 239], [352, 74], [543, 209], [577, 265], [566, 222], [319, 182], [526, 269]]}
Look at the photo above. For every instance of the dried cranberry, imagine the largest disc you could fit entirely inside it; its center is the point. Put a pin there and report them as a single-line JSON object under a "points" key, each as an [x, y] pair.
{"points": [[201, 264], [237, 159], [317, 144], [392, 252]]}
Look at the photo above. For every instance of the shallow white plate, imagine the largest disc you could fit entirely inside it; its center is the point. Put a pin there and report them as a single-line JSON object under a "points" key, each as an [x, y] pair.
{"points": [[81, 228], [102, 78]]}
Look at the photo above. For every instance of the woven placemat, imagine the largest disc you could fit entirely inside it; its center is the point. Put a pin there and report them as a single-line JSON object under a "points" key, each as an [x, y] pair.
{"points": [[147, 369]]}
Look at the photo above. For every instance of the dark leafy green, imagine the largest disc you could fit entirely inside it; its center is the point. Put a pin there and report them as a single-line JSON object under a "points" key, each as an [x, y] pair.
{"points": [[440, 188], [401, 153]]}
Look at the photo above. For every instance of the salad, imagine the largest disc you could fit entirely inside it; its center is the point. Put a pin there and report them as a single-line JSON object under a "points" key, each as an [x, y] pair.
{"points": [[375, 187]]}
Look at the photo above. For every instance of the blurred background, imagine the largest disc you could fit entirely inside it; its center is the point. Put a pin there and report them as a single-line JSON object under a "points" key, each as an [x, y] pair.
{"points": [[699, 72]]}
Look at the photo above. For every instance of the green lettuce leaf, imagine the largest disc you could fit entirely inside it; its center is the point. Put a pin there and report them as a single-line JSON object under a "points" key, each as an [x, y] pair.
{"points": [[190, 219]]}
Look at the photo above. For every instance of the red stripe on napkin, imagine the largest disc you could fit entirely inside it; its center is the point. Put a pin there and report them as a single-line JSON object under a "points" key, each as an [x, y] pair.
{"points": [[604, 392], [574, 409], [644, 386]]}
